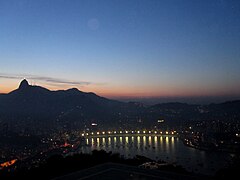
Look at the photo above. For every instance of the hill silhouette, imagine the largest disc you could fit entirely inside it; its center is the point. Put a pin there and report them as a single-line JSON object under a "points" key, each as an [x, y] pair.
{"points": [[37, 108], [35, 103]]}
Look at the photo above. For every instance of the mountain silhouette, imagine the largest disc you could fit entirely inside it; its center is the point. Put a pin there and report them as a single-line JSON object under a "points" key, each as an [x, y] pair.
{"points": [[24, 84], [35, 104], [38, 109]]}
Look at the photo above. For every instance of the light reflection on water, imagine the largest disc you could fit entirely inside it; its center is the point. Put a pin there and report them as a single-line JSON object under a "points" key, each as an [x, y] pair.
{"points": [[167, 148]]}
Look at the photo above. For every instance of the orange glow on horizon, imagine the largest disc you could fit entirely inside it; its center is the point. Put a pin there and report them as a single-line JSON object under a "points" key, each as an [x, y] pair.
{"points": [[130, 91]]}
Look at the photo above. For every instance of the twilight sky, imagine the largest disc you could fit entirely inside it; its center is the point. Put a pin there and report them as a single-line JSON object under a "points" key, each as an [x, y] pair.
{"points": [[122, 48]]}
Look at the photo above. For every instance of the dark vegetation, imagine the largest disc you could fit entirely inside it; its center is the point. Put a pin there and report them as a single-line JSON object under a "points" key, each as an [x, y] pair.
{"points": [[57, 165], [230, 172]]}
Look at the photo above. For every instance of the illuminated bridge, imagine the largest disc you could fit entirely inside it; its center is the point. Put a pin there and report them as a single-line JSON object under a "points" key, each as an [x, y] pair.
{"points": [[129, 133]]}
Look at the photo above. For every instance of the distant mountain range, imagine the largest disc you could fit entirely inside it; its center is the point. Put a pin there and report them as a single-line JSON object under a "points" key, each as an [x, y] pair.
{"points": [[38, 108]]}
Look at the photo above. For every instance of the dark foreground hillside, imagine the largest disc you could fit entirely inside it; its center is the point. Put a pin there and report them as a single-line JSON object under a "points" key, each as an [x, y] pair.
{"points": [[60, 167]]}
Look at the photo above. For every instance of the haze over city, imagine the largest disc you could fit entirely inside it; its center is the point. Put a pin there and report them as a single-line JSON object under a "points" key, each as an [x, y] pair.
{"points": [[123, 49]]}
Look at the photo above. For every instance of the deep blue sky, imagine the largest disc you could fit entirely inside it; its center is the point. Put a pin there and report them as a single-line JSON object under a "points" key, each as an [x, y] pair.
{"points": [[122, 48]]}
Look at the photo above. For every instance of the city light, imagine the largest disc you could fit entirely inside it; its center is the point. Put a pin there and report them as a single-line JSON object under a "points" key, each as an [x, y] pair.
{"points": [[8, 163], [160, 121]]}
